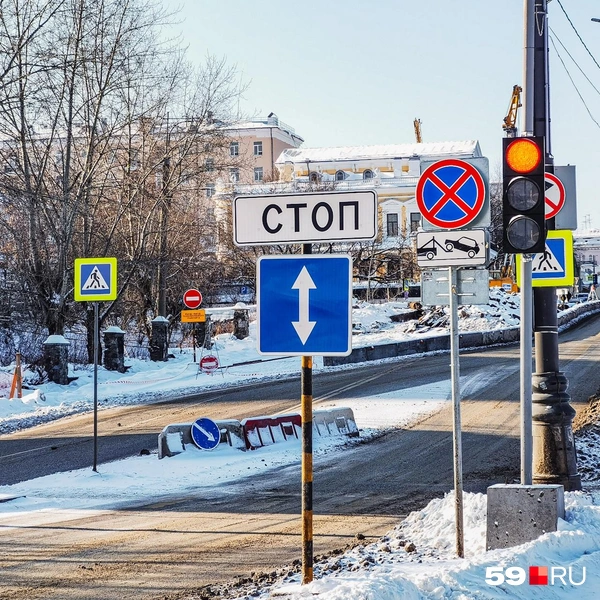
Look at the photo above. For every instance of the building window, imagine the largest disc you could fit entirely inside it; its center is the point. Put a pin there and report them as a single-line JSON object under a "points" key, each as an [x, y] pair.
{"points": [[392, 224], [257, 148], [314, 177], [340, 176], [368, 174], [210, 190], [234, 149], [415, 221], [209, 165], [234, 175], [258, 174]]}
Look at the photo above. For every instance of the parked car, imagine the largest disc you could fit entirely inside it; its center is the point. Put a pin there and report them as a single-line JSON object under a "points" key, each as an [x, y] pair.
{"points": [[465, 244]]}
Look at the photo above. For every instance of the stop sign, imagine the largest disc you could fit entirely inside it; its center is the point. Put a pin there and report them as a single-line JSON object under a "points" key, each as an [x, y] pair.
{"points": [[192, 299], [209, 363]]}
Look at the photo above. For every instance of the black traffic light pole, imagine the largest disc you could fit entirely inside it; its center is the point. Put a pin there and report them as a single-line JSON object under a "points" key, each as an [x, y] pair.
{"points": [[554, 457]]}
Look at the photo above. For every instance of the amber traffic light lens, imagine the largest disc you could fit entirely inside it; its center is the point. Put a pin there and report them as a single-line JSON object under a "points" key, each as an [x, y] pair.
{"points": [[523, 155]]}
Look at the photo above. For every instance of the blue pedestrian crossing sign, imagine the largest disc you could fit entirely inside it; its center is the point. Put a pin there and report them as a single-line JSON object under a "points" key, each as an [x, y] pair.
{"points": [[553, 267], [95, 279], [304, 305], [205, 433]]}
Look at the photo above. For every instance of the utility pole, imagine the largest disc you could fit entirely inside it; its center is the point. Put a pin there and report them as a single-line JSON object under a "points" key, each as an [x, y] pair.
{"points": [[554, 456]]}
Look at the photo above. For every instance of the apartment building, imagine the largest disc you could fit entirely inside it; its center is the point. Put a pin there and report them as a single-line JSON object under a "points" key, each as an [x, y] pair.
{"points": [[255, 145]]}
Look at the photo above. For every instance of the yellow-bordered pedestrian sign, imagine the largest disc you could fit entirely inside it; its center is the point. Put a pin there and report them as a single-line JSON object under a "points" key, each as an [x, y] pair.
{"points": [[553, 267], [95, 279]]}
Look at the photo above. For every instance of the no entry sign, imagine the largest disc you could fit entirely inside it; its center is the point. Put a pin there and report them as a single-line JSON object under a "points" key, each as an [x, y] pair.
{"points": [[209, 363], [450, 193], [192, 299]]}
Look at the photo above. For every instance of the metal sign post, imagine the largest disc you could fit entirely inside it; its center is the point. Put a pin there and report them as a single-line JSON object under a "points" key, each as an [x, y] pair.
{"points": [[457, 441], [95, 467], [526, 371], [95, 280]]}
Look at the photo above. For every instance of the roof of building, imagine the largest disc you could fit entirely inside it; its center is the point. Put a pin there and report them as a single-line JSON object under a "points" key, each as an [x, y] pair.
{"points": [[271, 121], [389, 151]]}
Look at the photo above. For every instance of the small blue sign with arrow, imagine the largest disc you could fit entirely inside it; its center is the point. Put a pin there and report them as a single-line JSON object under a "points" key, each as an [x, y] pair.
{"points": [[304, 305], [205, 434]]}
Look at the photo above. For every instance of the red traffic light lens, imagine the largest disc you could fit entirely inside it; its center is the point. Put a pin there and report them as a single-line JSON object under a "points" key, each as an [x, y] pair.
{"points": [[523, 155]]}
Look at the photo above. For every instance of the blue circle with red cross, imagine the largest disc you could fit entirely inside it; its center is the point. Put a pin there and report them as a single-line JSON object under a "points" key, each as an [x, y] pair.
{"points": [[450, 193]]}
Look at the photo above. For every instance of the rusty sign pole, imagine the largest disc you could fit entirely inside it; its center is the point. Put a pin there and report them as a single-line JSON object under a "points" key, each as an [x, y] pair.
{"points": [[307, 461]]}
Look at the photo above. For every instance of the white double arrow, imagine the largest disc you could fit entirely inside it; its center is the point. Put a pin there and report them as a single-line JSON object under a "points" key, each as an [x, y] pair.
{"points": [[303, 284]]}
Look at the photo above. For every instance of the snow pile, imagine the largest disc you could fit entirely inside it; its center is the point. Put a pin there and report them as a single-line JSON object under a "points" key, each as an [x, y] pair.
{"points": [[417, 559]]}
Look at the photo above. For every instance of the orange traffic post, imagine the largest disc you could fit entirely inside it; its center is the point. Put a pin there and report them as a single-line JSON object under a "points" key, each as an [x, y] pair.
{"points": [[17, 381]]}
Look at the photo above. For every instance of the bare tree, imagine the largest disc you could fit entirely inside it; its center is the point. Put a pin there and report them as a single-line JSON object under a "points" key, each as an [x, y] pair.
{"points": [[94, 166]]}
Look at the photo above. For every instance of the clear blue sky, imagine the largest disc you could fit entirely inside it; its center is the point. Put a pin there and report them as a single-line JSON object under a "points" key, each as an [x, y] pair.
{"points": [[349, 72]]}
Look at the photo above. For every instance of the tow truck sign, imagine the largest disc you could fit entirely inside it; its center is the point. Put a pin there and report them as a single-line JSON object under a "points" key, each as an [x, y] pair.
{"points": [[304, 218], [458, 248]]}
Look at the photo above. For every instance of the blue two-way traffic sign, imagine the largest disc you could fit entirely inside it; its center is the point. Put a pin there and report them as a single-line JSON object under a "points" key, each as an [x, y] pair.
{"points": [[95, 279], [205, 433], [304, 305]]}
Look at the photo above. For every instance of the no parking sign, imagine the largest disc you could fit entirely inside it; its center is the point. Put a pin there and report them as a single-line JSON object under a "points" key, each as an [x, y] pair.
{"points": [[453, 193]]}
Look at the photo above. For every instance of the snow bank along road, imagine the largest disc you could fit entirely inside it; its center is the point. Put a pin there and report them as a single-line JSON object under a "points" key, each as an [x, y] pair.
{"points": [[171, 545]]}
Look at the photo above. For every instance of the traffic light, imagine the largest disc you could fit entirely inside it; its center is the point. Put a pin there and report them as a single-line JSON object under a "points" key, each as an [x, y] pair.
{"points": [[523, 195]]}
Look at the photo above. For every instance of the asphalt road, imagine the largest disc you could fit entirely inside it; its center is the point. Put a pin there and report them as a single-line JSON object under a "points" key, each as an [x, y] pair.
{"points": [[179, 543]]}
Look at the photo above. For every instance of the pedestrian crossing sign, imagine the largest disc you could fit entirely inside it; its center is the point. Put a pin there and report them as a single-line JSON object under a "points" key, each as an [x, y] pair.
{"points": [[95, 279], [553, 267]]}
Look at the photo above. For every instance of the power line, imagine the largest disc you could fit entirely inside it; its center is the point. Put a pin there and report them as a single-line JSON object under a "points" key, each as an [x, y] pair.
{"points": [[573, 82], [577, 32], [571, 57]]}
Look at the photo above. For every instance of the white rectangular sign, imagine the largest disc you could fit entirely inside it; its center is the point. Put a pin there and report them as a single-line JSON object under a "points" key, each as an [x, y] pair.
{"points": [[473, 286], [457, 248], [304, 218]]}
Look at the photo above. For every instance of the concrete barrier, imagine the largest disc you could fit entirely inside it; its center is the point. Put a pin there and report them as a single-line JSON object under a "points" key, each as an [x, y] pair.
{"points": [[473, 339], [334, 421], [174, 438], [268, 430]]}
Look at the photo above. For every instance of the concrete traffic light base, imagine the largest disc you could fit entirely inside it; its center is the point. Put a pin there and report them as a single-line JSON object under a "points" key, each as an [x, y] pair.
{"points": [[521, 513]]}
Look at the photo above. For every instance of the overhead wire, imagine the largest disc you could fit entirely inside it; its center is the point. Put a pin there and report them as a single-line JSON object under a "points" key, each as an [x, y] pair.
{"points": [[573, 82], [577, 32], [552, 38]]}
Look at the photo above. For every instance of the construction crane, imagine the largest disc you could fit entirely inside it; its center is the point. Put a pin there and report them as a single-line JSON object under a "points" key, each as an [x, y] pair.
{"points": [[417, 124], [510, 120]]}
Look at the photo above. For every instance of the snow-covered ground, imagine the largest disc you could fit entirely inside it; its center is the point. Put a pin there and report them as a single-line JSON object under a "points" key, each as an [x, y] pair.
{"points": [[415, 560]]}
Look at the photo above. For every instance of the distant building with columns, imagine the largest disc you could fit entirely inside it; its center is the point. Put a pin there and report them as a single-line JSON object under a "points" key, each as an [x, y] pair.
{"points": [[391, 170]]}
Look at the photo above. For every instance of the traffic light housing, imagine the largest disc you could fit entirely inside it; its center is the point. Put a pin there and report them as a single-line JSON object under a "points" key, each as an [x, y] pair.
{"points": [[523, 195]]}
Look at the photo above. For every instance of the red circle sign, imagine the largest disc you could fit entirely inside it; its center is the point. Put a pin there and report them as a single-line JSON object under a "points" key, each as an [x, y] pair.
{"points": [[450, 193], [209, 363], [192, 299], [554, 196]]}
